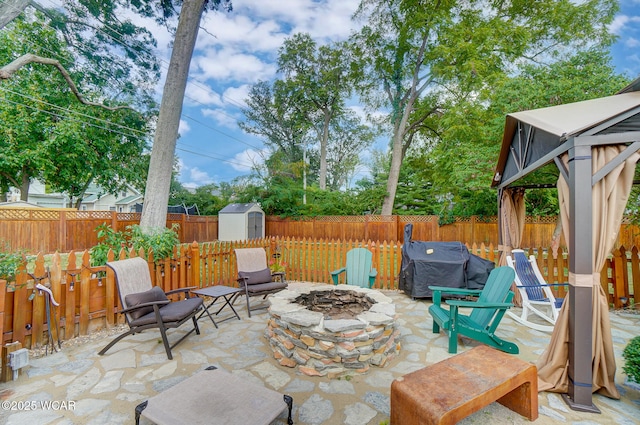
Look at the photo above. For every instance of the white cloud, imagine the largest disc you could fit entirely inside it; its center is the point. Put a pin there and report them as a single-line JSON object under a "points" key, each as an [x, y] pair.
{"points": [[192, 177], [246, 159], [632, 42], [200, 177], [221, 117], [232, 65], [184, 128], [330, 20], [241, 32], [237, 95], [289, 11], [200, 93], [623, 23]]}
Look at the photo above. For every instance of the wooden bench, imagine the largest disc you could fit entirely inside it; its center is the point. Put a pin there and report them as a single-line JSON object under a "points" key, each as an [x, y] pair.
{"points": [[451, 390]]}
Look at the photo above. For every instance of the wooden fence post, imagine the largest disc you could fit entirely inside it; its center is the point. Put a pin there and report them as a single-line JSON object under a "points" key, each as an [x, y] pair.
{"points": [[193, 264], [3, 298], [55, 276], [85, 292], [619, 273], [62, 231], [37, 306]]}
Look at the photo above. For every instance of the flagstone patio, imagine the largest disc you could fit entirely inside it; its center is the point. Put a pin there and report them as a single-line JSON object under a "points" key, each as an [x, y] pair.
{"points": [[76, 386]]}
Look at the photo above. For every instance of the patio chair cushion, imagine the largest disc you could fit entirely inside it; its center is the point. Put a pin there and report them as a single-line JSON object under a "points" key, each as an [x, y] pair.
{"points": [[257, 277], [154, 294], [266, 287], [172, 312]]}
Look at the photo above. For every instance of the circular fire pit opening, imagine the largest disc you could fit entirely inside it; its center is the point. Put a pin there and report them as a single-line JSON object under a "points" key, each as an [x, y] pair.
{"points": [[336, 304], [328, 330]]}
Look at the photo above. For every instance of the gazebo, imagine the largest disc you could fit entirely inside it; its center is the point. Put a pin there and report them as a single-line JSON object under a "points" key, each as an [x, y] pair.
{"points": [[594, 145]]}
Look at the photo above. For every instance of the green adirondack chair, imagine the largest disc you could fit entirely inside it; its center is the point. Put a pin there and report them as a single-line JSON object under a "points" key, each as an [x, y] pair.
{"points": [[358, 269], [493, 301]]}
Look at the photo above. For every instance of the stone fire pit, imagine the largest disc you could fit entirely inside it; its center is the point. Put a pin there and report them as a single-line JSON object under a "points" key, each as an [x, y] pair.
{"points": [[327, 330]]}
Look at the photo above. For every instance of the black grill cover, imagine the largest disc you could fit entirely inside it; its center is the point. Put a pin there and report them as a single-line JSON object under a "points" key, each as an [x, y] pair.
{"points": [[439, 264], [478, 270]]}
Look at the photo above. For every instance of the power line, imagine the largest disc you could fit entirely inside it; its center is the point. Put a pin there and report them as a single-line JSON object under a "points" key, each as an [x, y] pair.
{"points": [[72, 111], [211, 156], [115, 131], [221, 132], [66, 117], [164, 63], [143, 47], [199, 84]]}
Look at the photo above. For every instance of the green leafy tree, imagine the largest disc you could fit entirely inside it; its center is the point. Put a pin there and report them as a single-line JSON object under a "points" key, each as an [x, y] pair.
{"points": [[109, 155], [317, 80], [348, 137], [463, 160], [49, 136], [271, 114], [415, 51], [114, 51], [205, 197]]}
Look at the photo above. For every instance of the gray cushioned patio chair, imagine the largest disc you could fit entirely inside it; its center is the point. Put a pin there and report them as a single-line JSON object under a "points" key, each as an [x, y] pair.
{"points": [[146, 306], [255, 277]]}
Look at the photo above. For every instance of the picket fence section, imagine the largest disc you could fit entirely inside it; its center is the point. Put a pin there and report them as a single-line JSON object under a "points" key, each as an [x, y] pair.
{"points": [[89, 301]]}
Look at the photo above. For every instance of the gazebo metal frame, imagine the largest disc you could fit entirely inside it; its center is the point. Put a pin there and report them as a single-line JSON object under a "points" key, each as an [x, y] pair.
{"points": [[533, 139]]}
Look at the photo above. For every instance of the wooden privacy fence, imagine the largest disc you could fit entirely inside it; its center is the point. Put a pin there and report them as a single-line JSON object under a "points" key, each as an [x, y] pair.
{"points": [[89, 301], [49, 231]]}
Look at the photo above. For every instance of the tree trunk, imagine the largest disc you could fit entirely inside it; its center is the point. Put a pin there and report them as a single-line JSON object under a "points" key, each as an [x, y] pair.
{"points": [[156, 196], [10, 9], [322, 178], [397, 155], [24, 187], [394, 174]]}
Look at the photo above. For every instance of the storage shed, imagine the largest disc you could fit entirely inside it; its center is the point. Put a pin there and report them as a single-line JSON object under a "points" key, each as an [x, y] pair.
{"points": [[238, 222]]}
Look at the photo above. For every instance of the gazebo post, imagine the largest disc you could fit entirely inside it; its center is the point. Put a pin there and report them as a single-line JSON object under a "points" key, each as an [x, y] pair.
{"points": [[580, 280]]}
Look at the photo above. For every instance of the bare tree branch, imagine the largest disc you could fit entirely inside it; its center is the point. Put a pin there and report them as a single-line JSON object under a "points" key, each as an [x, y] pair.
{"points": [[8, 70]]}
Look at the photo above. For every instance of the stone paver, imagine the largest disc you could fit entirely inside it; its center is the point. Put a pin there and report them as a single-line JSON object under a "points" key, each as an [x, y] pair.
{"points": [[77, 386]]}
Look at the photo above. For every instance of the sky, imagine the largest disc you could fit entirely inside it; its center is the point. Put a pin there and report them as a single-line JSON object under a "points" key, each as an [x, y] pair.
{"points": [[236, 50]]}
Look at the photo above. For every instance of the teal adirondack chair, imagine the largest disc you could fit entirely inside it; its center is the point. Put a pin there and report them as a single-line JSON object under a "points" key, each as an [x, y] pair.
{"points": [[358, 269], [493, 301]]}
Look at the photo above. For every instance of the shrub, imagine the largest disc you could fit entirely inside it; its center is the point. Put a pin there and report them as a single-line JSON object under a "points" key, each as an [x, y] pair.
{"points": [[631, 356], [161, 241], [10, 261]]}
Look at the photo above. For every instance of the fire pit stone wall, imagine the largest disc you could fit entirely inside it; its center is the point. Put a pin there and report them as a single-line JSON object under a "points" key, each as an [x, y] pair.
{"points": [[318, 345]]}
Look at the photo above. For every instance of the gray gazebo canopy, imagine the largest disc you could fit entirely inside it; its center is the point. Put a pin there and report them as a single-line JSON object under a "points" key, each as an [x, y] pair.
{"points": [[594, 145], [535, 138]]}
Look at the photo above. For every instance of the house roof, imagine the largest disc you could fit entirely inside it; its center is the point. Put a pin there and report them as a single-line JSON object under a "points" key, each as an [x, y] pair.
{"points": [[19, 204], [28, 205], [128, 200], [534, 138], [90, 198]]}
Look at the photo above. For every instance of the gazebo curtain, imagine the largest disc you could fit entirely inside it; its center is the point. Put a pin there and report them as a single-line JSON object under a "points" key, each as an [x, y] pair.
{"points": [[609, 199], [512, 218]]}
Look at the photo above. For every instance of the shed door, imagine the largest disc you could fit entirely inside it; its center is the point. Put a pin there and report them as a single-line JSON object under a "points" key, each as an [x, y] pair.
{"points": [[255, 225]]}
